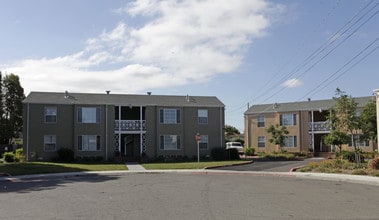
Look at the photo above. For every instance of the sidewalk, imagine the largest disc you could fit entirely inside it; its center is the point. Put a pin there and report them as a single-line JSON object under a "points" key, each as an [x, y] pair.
{"points": [[134, 166]]}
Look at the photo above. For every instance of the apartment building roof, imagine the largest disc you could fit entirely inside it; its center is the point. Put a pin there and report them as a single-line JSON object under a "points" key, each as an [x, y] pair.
{"points": [[302, 106], [121, 99]]}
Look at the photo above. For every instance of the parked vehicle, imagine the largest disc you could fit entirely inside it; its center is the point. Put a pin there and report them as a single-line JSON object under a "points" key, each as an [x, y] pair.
{"points": [[236, 145]]}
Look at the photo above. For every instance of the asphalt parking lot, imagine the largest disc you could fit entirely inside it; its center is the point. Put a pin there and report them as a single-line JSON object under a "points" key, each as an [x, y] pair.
{"points": [[271, 166]]}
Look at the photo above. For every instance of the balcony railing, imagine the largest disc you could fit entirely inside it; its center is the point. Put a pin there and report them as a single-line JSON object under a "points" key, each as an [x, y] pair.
{"points": [[319, 126], [129, 125]]}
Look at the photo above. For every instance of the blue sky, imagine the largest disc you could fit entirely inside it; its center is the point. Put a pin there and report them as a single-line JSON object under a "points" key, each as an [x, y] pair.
{"points": [[240, 51]]}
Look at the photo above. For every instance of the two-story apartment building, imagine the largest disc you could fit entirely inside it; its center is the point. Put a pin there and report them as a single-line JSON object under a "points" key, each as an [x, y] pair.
{"points": [[305, 121], [100, 125]]}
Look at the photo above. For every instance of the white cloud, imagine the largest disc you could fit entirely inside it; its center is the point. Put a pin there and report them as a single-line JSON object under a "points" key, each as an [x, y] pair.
{"points": [[180, 42], [292, 83]]}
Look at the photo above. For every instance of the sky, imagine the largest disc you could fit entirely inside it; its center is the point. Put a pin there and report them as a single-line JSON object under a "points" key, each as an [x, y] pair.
{"points": [[245, 52]]}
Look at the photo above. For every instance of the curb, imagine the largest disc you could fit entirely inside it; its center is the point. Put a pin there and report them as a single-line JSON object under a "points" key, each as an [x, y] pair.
{"points": [[229, 165]]}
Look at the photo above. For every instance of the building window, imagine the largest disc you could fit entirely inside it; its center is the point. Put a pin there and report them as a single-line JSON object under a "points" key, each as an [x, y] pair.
{"points": [[203, 143], [50, 114], [261, 141], [89, 115], [287, 119], [290, 141], [261, 121], [169, 142], [169, 116], [202, 116], [360, 142], [88, 143], [50, 142]]}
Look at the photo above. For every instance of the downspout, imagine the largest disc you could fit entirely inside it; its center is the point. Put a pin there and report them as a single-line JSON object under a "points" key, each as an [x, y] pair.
{"points": [[27, 133], [140, 134], [221, 128], [119, 129], [106, 131], [313, 134]]}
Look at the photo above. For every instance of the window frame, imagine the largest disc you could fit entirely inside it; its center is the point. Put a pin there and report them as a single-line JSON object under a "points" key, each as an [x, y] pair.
{"points": [[260, 122], [204, 141], [46, 115], [201, 117], [52, 142], [363, 143], [294, 141], [287, 119], [260, 142], [88, 148], [80, 115], [165, 118], [164, 138]]}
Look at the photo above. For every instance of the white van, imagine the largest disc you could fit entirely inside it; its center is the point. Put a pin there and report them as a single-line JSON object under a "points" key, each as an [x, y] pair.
{"points": [[236, 145]]}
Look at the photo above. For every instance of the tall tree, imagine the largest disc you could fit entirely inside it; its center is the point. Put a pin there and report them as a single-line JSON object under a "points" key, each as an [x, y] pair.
{"points": [[13, 97], [368, 121], [2, 116]]}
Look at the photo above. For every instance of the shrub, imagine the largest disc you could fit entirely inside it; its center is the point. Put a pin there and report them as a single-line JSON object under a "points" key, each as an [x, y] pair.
{"points": [[373, 164], [19, 156], [350, 156], [249, 151], [218, 153], [65, 155], [232, 154], [9, 157], [359, 172]]}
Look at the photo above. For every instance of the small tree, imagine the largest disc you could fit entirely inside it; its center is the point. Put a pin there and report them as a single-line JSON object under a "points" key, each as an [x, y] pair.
{"points": [[277, 135], [368, 122], [344, 119], [337, 138]]}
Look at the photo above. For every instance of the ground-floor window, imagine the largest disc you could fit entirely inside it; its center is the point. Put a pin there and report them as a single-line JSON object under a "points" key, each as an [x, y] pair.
{"points": [[88, 143], [169, 142], [290, 141], [261, 141], [50, 142], [203, 144], [360, 142]]}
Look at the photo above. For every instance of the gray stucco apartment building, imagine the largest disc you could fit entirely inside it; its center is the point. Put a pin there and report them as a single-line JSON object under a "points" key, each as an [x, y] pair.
{"points": [[98, 125]]}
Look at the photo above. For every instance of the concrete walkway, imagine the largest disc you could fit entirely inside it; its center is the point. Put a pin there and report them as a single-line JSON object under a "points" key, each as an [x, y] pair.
{"points": [[134, 166]]}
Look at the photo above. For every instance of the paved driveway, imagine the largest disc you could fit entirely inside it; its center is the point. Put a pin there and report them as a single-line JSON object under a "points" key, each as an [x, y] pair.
{"points": [[273, 166], [186, 196]]}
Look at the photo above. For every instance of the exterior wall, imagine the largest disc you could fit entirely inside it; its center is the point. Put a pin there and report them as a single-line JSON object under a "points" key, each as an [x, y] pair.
{"points": [[274, 119], [37, 128], [67, 130]]}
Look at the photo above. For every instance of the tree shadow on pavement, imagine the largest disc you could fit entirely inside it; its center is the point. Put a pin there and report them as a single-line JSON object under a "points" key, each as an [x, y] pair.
{"points": [[27, 185]]}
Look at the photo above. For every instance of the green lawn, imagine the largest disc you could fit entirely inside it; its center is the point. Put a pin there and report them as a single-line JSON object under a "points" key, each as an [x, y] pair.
{"points": [[44, 167], [188, 165]]}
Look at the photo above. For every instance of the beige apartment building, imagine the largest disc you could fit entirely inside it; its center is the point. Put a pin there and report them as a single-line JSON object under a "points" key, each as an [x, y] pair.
{"points": [[102, 125], [306, 122]]}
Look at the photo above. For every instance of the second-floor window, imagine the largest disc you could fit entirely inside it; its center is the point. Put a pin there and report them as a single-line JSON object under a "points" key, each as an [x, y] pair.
{"points": [[202, 116], [287, 119], [50, 114], [169, 116], [89, 115], [261, 121]]}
